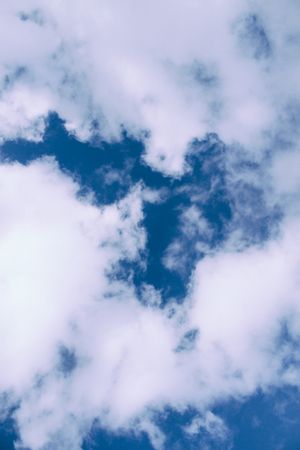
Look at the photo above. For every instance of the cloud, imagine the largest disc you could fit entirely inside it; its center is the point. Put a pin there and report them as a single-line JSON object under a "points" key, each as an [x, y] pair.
{"points": [[58, 254], [210, 423], [193, 228], [79, 343], [247, 300], [166, 74], [78, 346]]}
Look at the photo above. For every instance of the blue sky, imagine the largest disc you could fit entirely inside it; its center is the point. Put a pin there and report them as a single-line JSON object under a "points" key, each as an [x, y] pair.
{"points": [[149, 196]]}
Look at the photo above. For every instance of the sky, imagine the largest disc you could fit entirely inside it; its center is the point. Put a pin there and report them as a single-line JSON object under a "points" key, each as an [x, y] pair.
{"points": [[149, 231]]}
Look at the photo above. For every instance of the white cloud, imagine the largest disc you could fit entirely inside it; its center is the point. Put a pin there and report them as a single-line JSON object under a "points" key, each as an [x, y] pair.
{"points": [[241, 301], [210, 423], [57, 251], [58, 254], [58, 288], [177, 71]]}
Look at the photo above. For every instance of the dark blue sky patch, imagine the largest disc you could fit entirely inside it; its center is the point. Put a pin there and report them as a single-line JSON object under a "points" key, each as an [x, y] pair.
{"points": [[83, 161], [8, 434], [180, 439], [99, 439], [111, 170], [8, 428], [203, 186], [266, 421]]}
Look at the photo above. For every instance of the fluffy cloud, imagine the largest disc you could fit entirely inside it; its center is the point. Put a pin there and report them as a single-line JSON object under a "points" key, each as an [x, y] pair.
{"points": [[58, 254], [246, 305], [75, 342], [77, 345], [165, 73]]}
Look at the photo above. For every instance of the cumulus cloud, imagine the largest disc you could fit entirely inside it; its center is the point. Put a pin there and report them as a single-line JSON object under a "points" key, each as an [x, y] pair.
{"points": [[78, 346], [58, 254], [166, 74]]}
